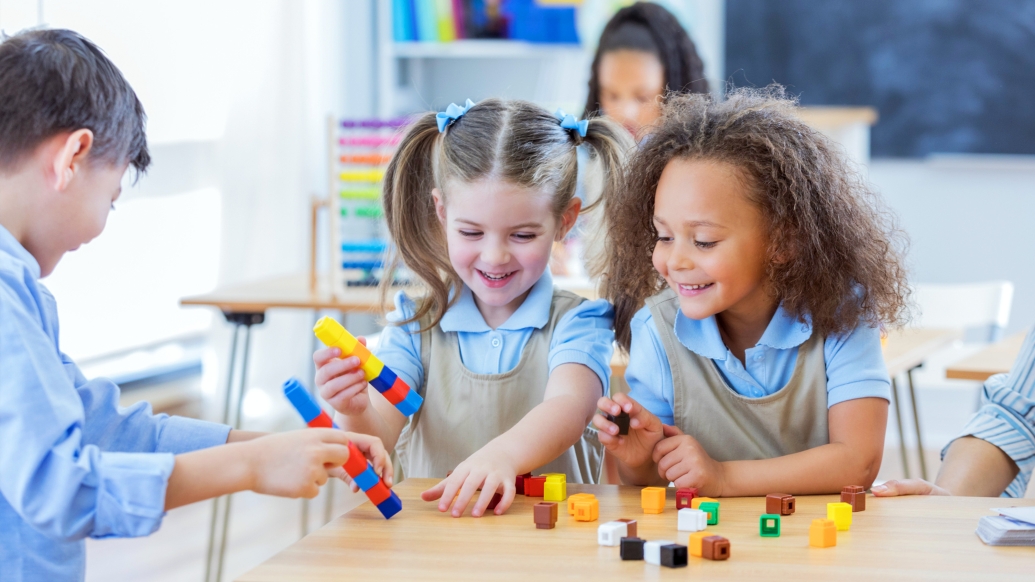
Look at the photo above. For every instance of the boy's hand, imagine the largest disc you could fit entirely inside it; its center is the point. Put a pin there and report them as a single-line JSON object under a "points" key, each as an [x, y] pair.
{"points": [[341, 382], [907, 487], [296, 463], [486, 470], [375, 452], [683, 461], [645, 430]]}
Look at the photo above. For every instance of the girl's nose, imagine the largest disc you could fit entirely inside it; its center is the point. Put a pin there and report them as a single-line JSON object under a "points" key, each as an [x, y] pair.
{"points": [[495, 255], [680, 260]]}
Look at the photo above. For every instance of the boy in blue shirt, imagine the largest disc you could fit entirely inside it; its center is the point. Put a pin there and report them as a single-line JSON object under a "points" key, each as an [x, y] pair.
{"points": [[72, 463]]}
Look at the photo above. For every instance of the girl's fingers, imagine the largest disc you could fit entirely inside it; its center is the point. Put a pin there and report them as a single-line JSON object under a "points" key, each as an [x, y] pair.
{"points": [[488, 491], [322, 356], [604, 425], [608, 405], [434, 493], [468, 490], [509, 493]]}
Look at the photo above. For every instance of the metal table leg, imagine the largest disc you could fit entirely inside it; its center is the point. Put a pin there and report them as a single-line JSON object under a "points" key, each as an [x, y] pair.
{"points": [[898, 421], [916, 424], [217, 545]]}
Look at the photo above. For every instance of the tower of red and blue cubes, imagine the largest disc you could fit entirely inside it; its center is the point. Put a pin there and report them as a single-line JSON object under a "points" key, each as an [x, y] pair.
{"points": [[380, 376], [357, 466]]}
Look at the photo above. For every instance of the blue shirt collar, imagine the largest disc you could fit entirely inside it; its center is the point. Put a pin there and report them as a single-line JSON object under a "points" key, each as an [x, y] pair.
{"points": [[11, 246], [534, 312], [702, 337]]}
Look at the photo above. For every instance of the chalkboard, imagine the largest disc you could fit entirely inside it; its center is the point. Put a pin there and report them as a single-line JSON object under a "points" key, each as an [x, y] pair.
{"points": [[952, 76]]}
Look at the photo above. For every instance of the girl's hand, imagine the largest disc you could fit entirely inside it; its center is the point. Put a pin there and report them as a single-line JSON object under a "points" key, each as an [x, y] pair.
{"points": [[645, 430], [296, 463], [375, 452], [341, 382], [907, 487], [485, 469], [683, 461]]}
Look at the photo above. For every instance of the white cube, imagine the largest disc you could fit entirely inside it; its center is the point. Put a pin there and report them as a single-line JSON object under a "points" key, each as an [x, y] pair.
{"points": [[612, 532], [692, 519], [652, 551]]}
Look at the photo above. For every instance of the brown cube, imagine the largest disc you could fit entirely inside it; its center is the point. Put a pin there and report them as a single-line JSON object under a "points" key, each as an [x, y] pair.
{"points": [[779, 504], [496, 498], [855, 496], [630, 526], [545, 515], [715, 548]]}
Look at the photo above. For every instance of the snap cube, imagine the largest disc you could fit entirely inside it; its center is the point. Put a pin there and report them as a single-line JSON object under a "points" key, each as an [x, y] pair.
{"points": [[685, 497], [652, 499], [689, 519], [545, 515], [712, 509], [769, 525], [652, 551], [611, 533], [715, 548], [841, 514], [822, 533], [631, 548], [779, 503]]}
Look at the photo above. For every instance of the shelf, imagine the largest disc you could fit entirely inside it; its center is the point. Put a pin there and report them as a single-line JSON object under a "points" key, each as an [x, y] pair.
{"points": [[466, 49]]}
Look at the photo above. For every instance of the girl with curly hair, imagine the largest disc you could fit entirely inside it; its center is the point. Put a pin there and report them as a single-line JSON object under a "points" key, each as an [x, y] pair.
{"points": [[751, 271]]}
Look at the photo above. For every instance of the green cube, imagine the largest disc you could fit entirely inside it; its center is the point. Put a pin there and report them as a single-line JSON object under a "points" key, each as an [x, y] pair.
{"points": [[769, 525], [712, 509]]}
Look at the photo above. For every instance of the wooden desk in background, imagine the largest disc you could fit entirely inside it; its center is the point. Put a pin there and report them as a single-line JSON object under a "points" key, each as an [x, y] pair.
{"points": [[995, 359], [907, 538]]}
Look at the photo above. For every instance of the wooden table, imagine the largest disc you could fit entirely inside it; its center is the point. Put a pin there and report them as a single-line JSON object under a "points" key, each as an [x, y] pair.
{"points": [[995, 359], [908, 538]]}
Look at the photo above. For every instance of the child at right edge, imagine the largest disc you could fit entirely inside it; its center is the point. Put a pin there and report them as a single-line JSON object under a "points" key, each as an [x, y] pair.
{"points": [[768, 269]]}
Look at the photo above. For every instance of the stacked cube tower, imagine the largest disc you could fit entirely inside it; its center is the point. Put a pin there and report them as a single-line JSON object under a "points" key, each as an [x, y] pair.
{"points": [[381, 377], [357, 466]]}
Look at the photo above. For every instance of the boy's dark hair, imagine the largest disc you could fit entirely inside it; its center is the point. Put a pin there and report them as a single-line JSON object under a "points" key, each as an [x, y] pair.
{"points": [[649, 28], [835, 253], [52, 81]]}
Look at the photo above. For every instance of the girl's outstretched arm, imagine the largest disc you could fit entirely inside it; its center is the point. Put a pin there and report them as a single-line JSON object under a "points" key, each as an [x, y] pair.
{"points": [[540, 437], [852, 457]]}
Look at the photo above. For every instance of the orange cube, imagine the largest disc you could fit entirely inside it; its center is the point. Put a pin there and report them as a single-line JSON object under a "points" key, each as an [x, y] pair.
{"points": [[578, 497], [652, 499], [587, 509], [823, 533], [695, 544]]}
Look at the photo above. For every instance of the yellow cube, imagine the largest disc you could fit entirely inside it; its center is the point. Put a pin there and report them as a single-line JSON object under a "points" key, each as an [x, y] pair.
{"points": [[555, 489], [652, 499], [822, 533], [695, 542], [372, 367], [840, 514], [587, 509], [697, 501], [578, 497]]}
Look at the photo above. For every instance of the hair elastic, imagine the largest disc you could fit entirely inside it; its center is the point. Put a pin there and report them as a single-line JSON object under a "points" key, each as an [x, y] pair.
{"points": [[451, 114], [569, 122]]}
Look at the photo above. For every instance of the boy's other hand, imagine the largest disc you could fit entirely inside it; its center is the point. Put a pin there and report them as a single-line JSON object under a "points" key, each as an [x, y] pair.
{"points": [[645, 430], [907, 487], [296, 463], [341, 382], [683, 461], [375, 452]]}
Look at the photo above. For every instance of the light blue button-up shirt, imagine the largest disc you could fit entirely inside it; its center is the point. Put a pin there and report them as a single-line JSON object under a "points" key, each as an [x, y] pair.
{"points": [[855, 364], [1007, 416], [582, 336], [72, 463]]}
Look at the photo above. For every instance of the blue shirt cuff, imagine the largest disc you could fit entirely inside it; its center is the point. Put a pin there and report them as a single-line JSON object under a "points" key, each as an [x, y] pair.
{"points": [[131, 493], [576, 357], [183, 435], [861, 389]]}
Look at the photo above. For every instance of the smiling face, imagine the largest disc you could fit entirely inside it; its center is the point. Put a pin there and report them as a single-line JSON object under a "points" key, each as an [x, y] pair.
{"points": [[631, 84], [711, 246], [499, 238]]}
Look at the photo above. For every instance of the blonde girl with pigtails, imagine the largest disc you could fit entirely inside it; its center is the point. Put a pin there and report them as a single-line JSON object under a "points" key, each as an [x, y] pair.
{"points": [[509, 367]]}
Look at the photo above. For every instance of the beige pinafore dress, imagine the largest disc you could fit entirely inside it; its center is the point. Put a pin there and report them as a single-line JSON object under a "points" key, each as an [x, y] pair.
{"points": [[732, 427], [463, 411]]}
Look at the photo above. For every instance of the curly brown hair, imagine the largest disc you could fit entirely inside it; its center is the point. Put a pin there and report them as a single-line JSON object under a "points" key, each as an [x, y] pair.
{"points": [[835, 253]]}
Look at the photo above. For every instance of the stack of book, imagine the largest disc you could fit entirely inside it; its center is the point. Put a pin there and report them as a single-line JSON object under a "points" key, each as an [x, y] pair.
{"points": [[1014, 526], [448, 20]]}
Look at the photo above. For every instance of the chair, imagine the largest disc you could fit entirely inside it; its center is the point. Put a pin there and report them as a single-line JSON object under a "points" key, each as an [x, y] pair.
{"points": [[980, 310]]}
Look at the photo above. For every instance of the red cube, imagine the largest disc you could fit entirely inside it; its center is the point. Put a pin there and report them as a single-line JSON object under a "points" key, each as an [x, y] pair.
{"points": [[684, 497], [534, 486], [519, 483]]}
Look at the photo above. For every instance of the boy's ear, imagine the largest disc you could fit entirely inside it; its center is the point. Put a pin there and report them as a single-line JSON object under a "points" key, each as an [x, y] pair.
{"points": [[568, 218], [70, 157], [440, 207]]}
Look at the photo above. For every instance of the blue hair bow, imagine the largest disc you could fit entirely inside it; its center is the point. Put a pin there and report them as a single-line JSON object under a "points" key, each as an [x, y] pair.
{"points": [[569, 122], [451, 114]]}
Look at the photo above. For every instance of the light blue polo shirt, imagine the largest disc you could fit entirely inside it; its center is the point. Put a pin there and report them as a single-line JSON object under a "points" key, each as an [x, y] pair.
{"points": [[583, 335], [854, 362]]}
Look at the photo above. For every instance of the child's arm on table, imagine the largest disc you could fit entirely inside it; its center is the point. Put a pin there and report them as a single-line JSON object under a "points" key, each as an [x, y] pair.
{"points": [[633, 451], [541, 436], [972, 467], [292, 464], [852, 457]]}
